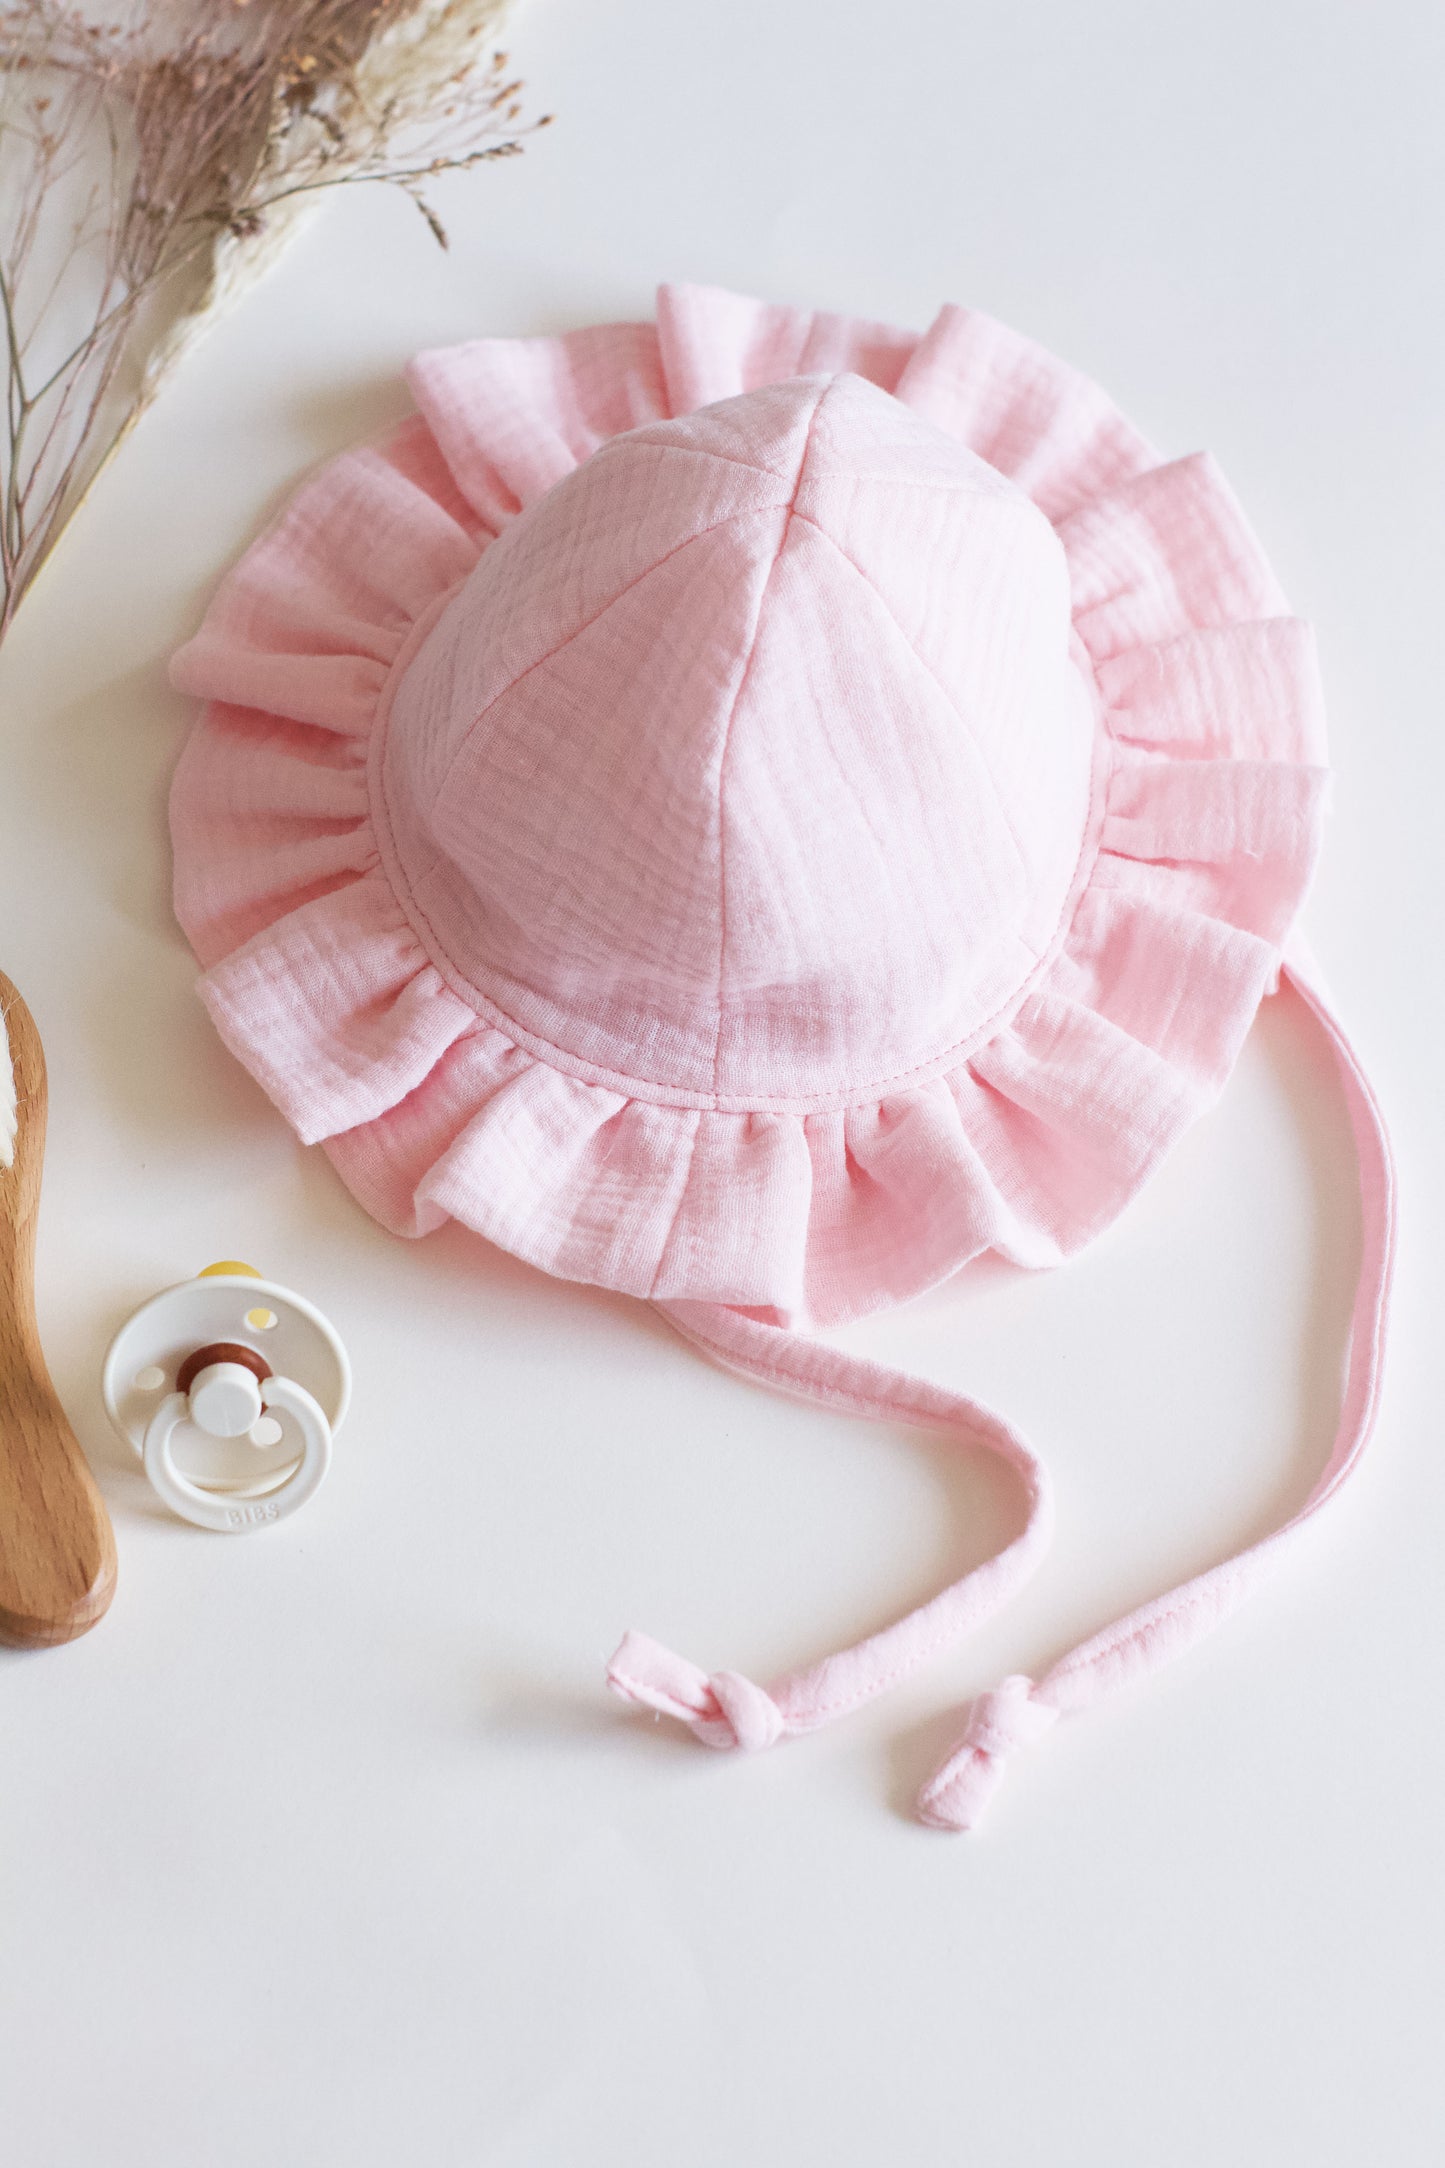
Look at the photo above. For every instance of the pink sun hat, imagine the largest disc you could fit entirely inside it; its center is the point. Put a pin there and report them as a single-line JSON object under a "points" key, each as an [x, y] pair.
{"points": [[757, 811]]}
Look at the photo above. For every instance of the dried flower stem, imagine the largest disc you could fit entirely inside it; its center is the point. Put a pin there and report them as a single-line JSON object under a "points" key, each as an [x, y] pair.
{"points": [[148, 173]]}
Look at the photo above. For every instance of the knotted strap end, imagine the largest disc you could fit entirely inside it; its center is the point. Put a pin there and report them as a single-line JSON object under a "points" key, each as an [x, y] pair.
{"points": [[723, 1709], [643, 1671], [1008, 1716]]}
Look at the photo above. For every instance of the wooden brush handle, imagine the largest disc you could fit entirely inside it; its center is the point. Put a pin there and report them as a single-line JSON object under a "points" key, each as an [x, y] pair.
{"points": [[57, 1552]]}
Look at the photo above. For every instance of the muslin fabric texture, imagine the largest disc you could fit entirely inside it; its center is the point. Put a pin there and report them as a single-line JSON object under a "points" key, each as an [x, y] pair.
{"points": [[755, 811]]}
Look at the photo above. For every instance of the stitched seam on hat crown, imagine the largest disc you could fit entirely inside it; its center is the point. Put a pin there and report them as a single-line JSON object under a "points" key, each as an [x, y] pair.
{"points": [[639, 437], [953, 707], [1016, 499], [844, 1099], [743, 676], [960, 487], [714, 527], [841, 1099]]}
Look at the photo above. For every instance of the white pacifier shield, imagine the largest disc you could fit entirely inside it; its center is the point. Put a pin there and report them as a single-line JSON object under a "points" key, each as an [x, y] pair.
{"points": [[289, 1417]]}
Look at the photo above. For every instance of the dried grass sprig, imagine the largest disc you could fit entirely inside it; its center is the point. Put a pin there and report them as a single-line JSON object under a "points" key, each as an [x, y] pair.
{"points": [[150, 170]]}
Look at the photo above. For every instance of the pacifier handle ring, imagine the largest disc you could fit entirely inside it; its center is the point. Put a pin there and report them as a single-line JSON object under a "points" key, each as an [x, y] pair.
{"points": [[222, 1511]]}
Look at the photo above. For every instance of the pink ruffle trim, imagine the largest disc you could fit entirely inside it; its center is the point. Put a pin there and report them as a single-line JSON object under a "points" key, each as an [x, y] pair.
{"points": [[320, 985]]}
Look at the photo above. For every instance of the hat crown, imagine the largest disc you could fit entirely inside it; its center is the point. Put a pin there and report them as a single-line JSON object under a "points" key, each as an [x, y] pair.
{"points": [[750, 767]]}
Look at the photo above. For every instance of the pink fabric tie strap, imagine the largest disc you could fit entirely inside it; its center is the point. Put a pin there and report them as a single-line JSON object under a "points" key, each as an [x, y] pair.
{"points": [[958, 1795], [724, 1709], [727, 1710]]}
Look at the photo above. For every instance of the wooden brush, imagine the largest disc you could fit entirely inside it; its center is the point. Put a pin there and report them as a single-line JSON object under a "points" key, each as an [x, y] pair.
{"points": [[57, 1552]]}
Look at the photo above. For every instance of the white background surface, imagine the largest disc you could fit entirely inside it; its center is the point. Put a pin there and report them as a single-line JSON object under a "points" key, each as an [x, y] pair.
{"points": [[328, 1846]]}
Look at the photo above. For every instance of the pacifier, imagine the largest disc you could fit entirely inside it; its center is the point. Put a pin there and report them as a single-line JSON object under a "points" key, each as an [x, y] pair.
{"points": [[230, 1389]]}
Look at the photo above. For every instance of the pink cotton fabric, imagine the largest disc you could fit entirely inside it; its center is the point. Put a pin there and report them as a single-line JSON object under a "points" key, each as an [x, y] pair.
{"points": [[754, 810], [1005, 890]]}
